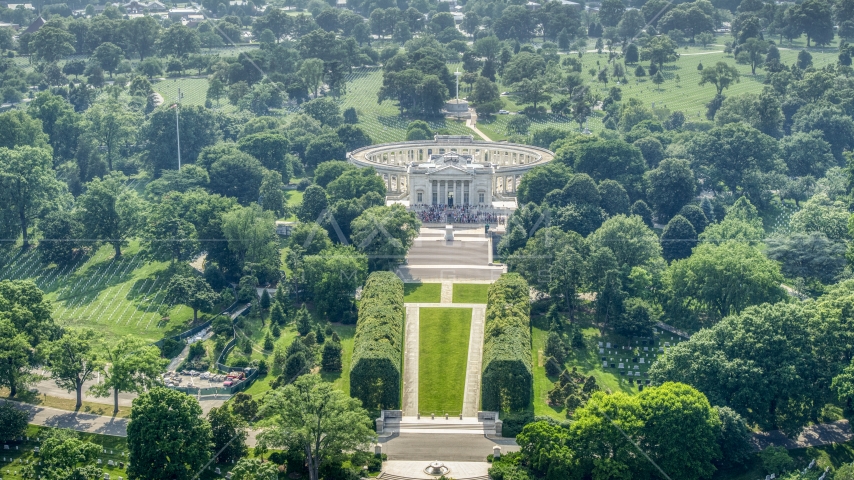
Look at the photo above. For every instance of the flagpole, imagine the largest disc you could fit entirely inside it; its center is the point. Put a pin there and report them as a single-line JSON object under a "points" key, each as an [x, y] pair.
{"points": [[177, 130]]}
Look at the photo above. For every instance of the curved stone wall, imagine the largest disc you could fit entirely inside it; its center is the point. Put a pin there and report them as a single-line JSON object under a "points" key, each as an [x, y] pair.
{"points": [[504, 162]]}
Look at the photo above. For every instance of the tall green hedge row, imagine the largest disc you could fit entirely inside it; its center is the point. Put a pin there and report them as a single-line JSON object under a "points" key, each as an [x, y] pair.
{"points": [[378, 343], [507, 379]]}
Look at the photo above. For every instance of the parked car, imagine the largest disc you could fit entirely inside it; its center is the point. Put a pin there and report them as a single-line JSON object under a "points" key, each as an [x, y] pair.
{"points": [[503, 112], [227, 383]]}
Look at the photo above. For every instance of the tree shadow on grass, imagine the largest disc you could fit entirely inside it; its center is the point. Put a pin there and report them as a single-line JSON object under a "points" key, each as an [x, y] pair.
{"points": [[99, 277]]}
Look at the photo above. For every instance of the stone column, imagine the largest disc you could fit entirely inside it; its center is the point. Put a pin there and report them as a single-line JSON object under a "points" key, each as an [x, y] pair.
{"points": [[442, 196]]}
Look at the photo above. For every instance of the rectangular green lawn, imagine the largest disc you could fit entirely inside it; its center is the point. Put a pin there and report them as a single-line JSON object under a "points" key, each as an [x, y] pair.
{"points": [[470, 292], [422, 292], [443, 342]]}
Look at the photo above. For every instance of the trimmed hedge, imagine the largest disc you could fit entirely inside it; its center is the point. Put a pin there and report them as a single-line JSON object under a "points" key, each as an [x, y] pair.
{"points": [[507, 380], [378, 344]]}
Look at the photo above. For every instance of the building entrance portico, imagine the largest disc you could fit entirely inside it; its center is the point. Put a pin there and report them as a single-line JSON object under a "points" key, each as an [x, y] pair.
{"points": [[451, 192]]}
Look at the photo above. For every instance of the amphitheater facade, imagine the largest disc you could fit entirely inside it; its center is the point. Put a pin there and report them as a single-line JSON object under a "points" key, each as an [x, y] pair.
{"points": [[452, 170]]}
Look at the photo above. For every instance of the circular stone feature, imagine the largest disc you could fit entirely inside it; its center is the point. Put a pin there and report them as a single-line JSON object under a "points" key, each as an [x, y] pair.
{"points": [[437, 468]]}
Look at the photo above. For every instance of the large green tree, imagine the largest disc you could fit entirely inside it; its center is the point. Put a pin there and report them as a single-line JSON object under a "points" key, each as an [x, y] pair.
{"points": [[623, 436], [252, 242], [51, 43], [633, 243], [228, 434], [736, 157], [179, 40], [168, 234], [23, 305], [29, 185], [723, 279], [132, 365], [142, 33], [74, 359], [355, 184], [670, 186], [315, 418], [112, 124], [193, 291], [773, 364], [167, 437], [721, 75], [271, 149], [198, 128], [110, 211], [64, 455], [660, 50], [238, 175], [541, 180], [13, 422], [385, 234], [332, 276]]}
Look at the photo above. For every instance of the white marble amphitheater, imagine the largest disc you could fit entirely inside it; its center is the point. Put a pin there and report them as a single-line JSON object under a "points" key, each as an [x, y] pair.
{"points": [[451, 170]]}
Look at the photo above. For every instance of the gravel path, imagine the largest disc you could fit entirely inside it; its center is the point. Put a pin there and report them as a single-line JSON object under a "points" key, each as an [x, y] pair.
{"points": [[471, 397], [410, 362]]}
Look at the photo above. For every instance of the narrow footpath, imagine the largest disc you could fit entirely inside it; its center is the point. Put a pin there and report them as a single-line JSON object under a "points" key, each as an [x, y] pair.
{"points": [[471, 397], [410, 362], [472, 125]]}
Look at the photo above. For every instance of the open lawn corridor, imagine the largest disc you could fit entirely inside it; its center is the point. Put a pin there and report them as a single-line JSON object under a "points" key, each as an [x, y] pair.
{"points": [[443, 340]]}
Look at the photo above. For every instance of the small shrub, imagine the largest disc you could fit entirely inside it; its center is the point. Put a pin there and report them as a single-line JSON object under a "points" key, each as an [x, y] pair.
{"points": [[776, 460]]}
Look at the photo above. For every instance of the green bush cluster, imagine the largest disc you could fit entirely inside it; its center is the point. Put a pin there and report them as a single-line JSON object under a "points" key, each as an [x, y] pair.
{"points": [[507, 380], [378, 343]]}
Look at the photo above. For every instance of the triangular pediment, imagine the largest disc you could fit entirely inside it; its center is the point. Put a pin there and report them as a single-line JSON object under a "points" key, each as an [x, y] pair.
{"points": [[452, 170]]}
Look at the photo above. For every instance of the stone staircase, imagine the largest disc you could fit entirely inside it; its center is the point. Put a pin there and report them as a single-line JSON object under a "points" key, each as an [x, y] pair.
{"points": [[426, 425], [467, 257], [462, 252]]}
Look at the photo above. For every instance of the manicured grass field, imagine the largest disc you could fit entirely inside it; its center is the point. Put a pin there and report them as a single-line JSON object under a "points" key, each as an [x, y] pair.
{"points": [[422, 292], [443, 355], [470, 292], [292, 200], [382, 121], [686, 95], [117, 297], [193, 90]]}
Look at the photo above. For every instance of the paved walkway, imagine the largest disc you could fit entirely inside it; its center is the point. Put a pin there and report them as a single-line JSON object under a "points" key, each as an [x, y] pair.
{"points": [[444, 447], [415, 469], [447, 292], [49, 387], [81, 422], [445, 305], [471, 397], [410, 362], [472, 125], [813, 436]]}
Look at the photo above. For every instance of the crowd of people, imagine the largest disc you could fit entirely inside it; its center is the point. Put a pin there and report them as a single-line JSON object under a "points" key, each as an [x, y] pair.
{"points": [[457, 214]]}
